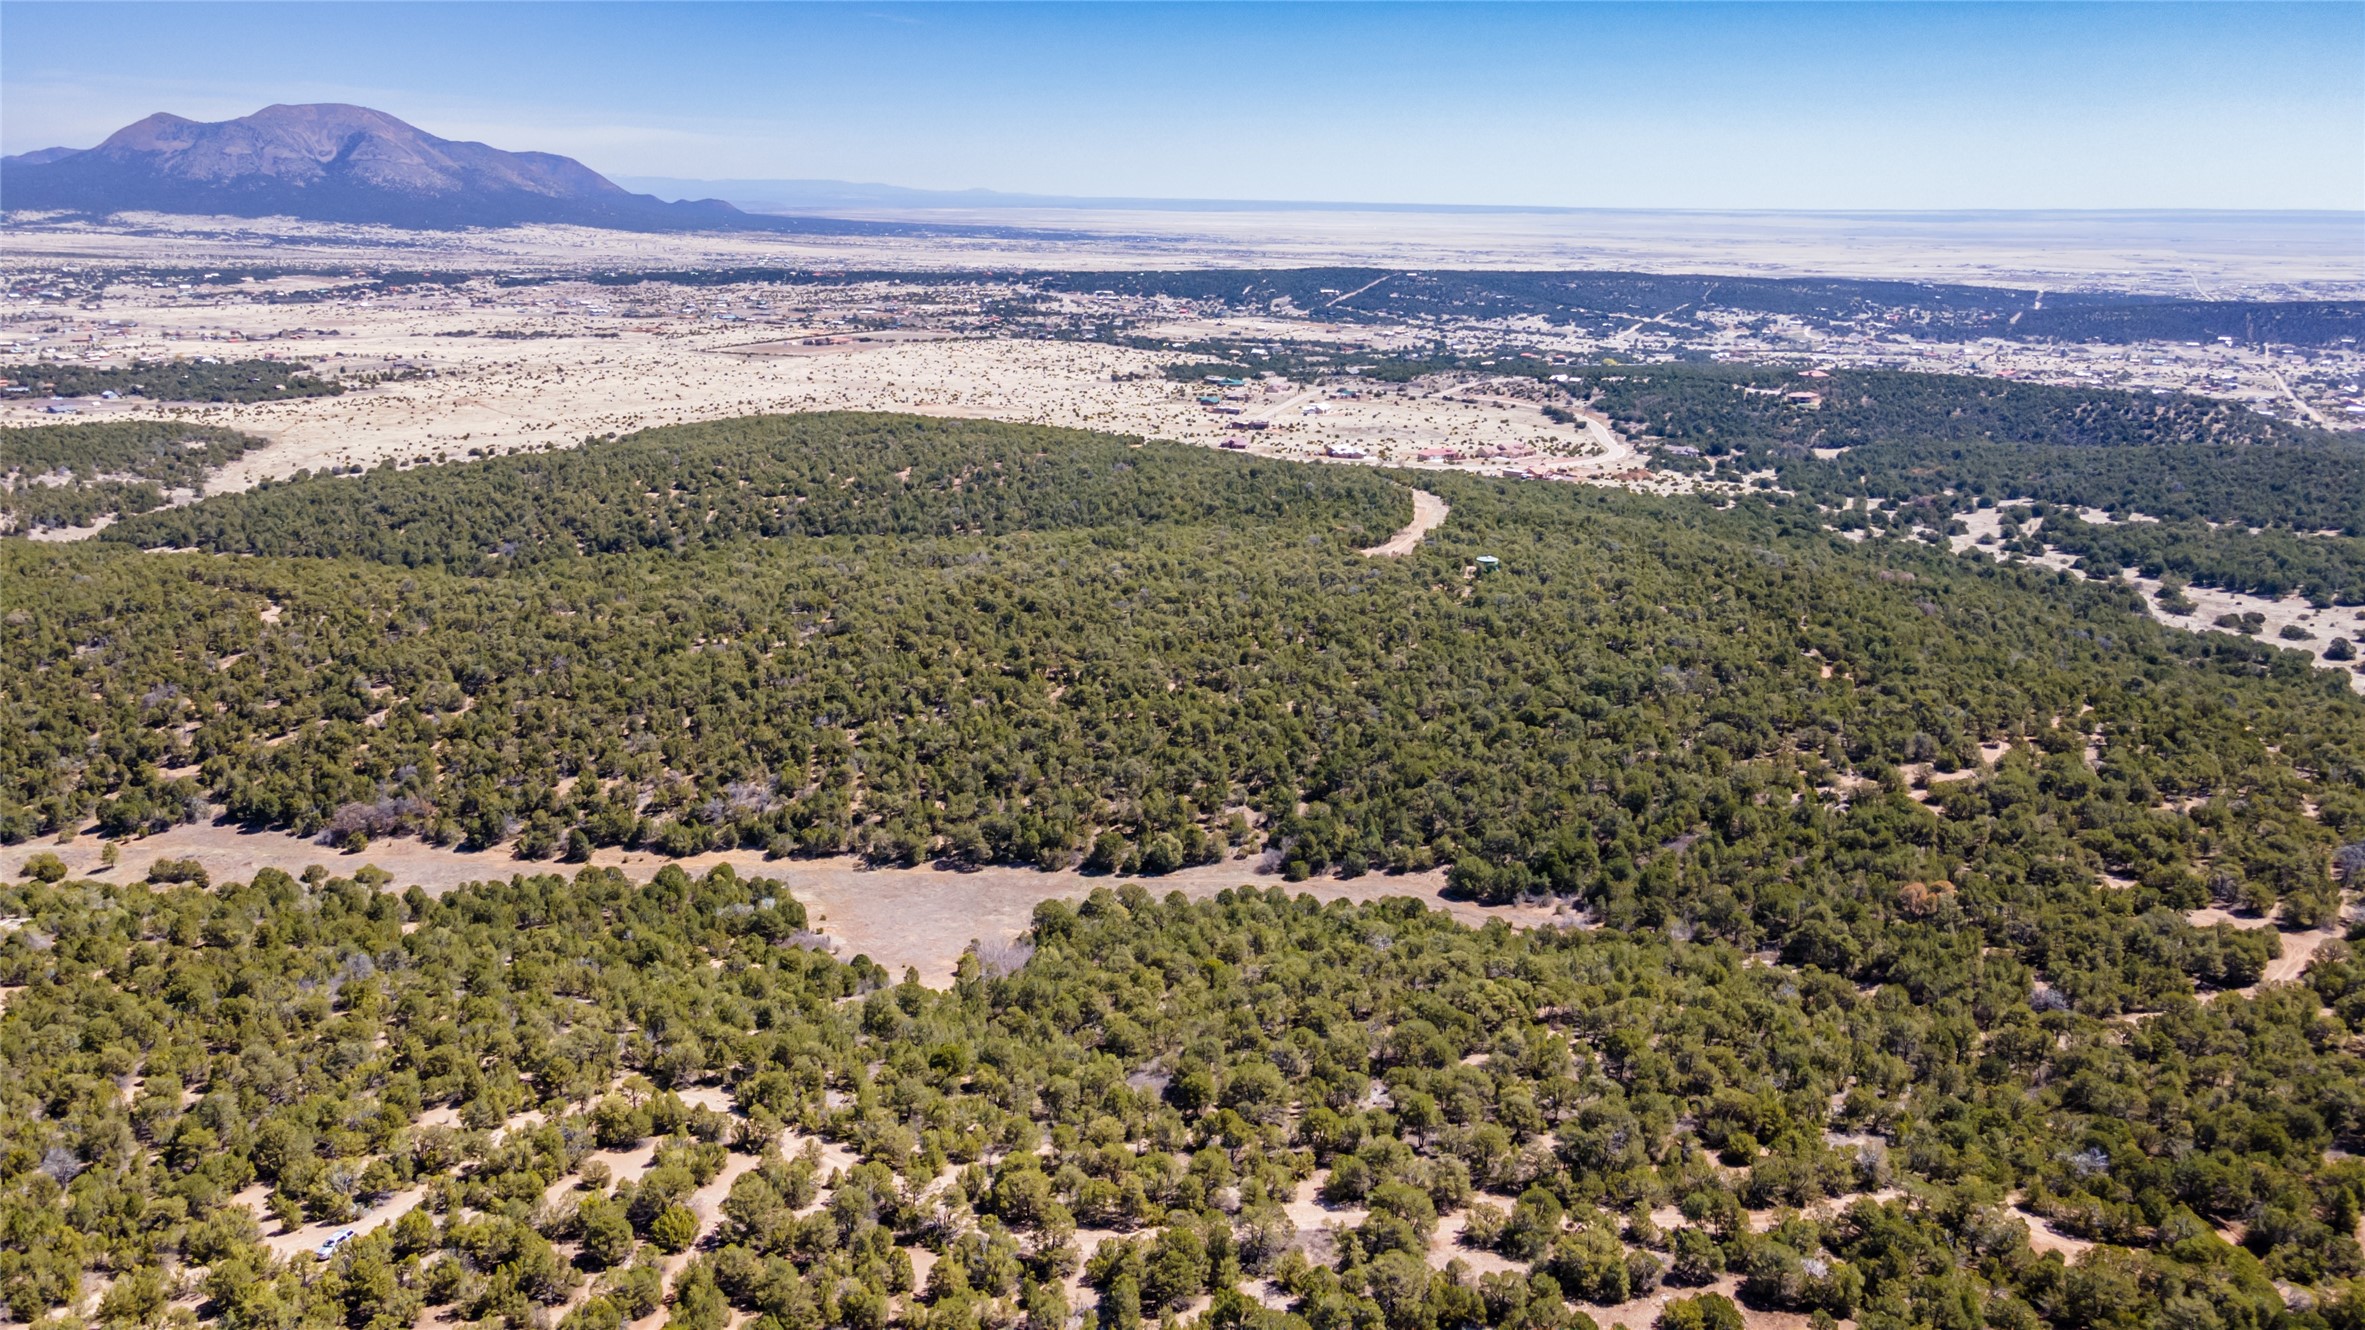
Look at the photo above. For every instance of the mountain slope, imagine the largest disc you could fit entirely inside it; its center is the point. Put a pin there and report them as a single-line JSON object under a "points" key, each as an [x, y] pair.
{"points": [[38, 156], [340, 163]]}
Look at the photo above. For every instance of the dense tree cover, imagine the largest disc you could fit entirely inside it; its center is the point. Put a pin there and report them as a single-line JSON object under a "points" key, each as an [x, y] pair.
{"points": [[2299, 487], [2251, 322], [1843, 954], [69, 475], [180, 380], [1721, 407], [1672, 711], [708, 485], [2266, 563], [290, 1034], [1929, 310], [1931, 445], [1938, 441], [1601, 1113]]}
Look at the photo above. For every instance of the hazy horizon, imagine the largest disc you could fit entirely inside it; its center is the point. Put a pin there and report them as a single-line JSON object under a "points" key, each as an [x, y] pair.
{"points": [[890, 196], [1775, 107]]}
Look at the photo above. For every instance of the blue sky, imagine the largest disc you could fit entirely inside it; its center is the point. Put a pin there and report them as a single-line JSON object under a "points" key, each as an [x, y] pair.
{"points": [[1847, 106]]}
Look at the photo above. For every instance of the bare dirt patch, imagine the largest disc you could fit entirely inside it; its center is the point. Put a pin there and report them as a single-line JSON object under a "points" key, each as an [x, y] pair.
{"points": [[2298, 949], [2300, 945], [1645, 1310], [297, 1241], [922, 917], [2321, 626], [1428, 514]]}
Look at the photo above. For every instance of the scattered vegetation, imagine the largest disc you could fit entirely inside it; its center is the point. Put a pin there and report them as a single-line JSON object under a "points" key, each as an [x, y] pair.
{"points": [[2275, 562], [1929, 310], [1720, 407], [1929, 447], [71, 475]]}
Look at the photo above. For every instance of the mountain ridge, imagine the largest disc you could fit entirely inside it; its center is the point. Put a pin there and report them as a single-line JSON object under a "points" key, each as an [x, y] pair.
{"points": [[334, 162]]}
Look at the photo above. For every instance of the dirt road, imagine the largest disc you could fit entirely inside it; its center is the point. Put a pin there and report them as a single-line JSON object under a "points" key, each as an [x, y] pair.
{"points": [[1428, 513]]}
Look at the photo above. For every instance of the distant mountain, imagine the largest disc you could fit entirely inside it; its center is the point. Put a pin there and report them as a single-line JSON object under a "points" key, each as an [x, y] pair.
{"points": [[335, 163], [38, 156]]}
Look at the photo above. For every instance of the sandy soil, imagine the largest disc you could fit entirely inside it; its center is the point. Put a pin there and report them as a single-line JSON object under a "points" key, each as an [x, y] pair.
{"points": [[1446, 1245], [924, 917], [1642, 1312], [2321, 625], [2043, 1237], [2300, 945], [1306, 1210], [2298, 949], [582, 373], [297, 1241], [1428, 514]]}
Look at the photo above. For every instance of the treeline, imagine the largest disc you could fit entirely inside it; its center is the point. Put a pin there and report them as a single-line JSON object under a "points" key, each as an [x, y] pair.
{"points": [[1940, 442], [2268, 563], [70, 475], [1930, 310], [2305, 487], [1724, 407], [1603, 1115], [1932, 446], [702, 486], [179, 380], [2249, 322]]}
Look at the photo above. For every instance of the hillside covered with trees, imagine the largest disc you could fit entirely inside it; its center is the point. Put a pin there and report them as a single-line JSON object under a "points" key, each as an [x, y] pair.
{"points": [[915, 640], [1120, 1118], [1891, 862]]}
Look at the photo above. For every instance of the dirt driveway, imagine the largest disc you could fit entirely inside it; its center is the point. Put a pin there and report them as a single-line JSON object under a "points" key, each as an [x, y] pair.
{"points": [[1428, 514]]}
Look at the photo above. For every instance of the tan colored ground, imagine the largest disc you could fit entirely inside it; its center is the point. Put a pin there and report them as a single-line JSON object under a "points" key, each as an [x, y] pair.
{"points": [[1306, 1210], [2323, 624], [2043, 1237], [584, 374], [919, 917], [308, 1237], [2300, 945], [1641, 1313], [1428, 514]]}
